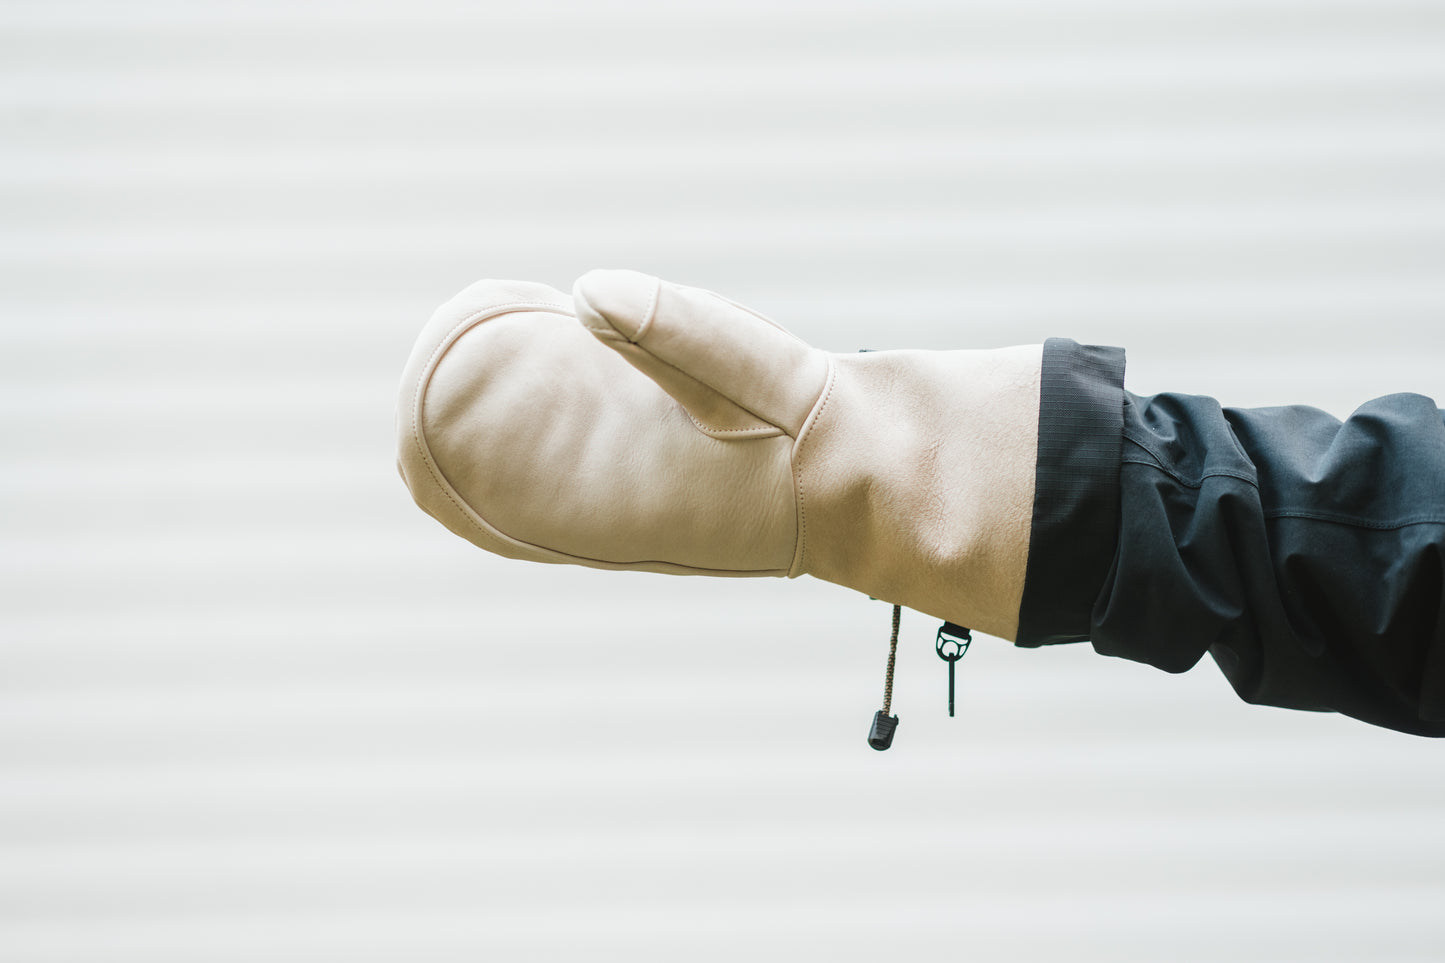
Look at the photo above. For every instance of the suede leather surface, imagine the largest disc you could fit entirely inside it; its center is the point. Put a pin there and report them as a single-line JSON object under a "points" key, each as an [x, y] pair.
{"points": [[645, 425], [915, 481], [521, 432]]}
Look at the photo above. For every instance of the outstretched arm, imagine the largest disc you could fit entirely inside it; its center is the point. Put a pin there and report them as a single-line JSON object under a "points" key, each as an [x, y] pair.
{"points": [[638, 424]]}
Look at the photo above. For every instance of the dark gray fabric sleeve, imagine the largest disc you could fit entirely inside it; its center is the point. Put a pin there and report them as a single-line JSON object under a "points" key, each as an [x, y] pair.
{"points": [[1306, 555], [1076, 490]]}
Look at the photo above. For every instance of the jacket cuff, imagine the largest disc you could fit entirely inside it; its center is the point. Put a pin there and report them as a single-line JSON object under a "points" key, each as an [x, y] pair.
{"points": [[1076, 491]]}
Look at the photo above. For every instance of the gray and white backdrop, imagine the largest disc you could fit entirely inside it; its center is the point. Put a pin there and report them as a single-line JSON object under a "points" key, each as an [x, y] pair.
{"points": [[254, 706]]}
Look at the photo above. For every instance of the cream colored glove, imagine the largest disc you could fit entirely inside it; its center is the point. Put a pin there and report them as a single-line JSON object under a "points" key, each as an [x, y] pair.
{"points": [[645, 425]]}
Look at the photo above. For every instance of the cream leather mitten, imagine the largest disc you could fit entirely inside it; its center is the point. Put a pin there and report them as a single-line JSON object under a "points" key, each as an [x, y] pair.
{"points": [[645, 425]]}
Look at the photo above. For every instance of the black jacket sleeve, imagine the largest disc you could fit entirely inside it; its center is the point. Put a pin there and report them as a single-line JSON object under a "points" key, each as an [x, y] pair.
{"points": [[1304, 554]]}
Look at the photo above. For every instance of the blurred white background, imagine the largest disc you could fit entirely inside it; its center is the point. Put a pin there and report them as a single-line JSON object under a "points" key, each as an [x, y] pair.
{"points": [[254, 706]]}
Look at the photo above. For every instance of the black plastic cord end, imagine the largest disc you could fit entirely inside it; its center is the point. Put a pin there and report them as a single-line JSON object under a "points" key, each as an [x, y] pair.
{"points": [[880, 737]]}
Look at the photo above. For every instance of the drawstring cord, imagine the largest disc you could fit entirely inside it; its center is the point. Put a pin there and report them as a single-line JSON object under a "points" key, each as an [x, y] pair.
{"points": [[880, 737], [892, 657], [951, 644]]}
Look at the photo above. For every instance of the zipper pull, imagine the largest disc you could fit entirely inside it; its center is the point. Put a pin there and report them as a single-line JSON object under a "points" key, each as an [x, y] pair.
{"points": [[951, 644]]}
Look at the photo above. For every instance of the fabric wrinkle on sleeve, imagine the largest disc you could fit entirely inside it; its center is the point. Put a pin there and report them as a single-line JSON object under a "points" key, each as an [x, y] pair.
{"points": [[1304, 554]]}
